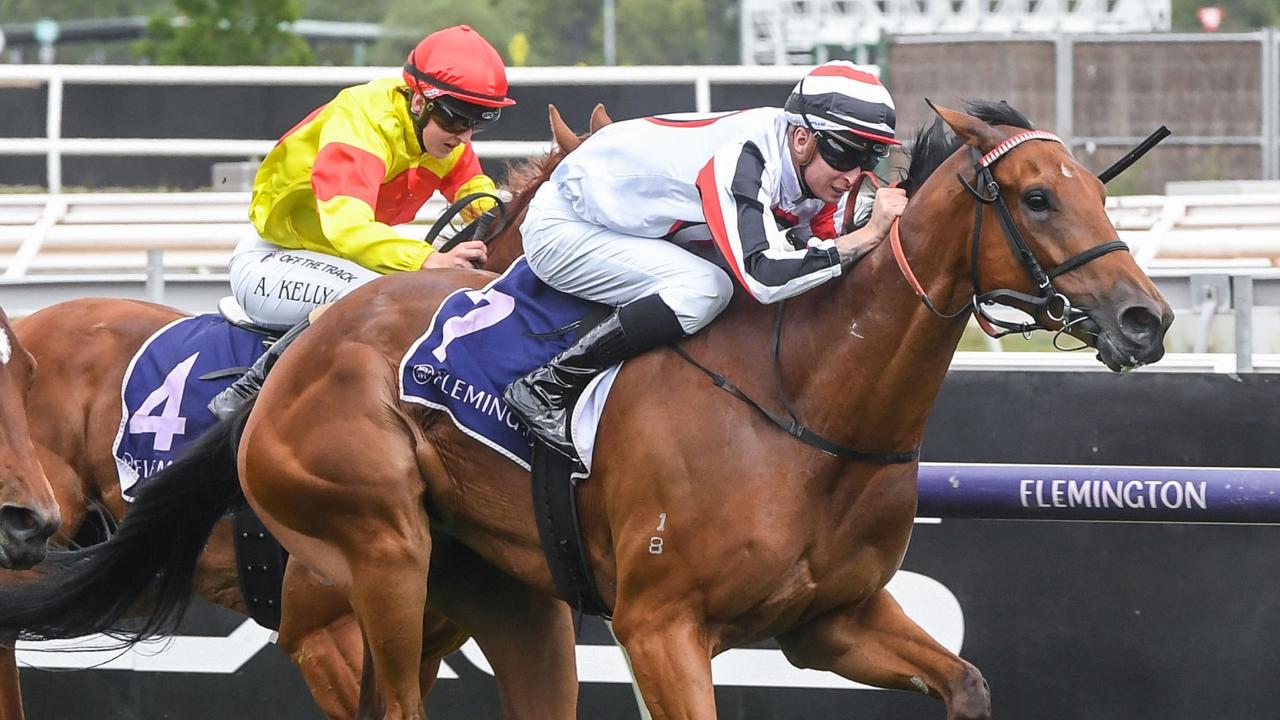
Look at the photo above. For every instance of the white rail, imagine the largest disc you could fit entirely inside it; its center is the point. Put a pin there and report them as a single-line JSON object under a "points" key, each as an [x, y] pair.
{"points": [[54, 146]]}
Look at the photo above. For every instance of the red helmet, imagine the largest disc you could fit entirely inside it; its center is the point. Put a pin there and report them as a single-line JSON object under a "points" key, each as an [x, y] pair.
{"points": [[459, 63]]}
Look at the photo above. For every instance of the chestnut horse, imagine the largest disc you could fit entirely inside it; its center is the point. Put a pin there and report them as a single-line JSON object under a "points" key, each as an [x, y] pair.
{"points": [[761, 535], [29, 513]]}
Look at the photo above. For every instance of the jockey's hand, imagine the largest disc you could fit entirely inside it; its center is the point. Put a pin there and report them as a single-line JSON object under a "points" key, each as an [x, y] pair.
{"points": [[476, 208], [887, 207], [472, 253]]}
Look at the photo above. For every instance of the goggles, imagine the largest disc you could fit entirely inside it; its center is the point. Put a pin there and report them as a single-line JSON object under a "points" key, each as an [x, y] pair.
{"points": [[844, 154], [457, 118]]}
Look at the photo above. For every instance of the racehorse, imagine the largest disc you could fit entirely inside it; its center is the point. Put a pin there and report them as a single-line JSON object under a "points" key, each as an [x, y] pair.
{"points": [[706, 526], [73, 408], [28, 511]]}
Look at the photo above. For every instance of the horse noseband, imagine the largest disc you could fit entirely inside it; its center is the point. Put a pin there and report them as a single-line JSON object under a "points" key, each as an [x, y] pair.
{"points": [[1046, 294]]}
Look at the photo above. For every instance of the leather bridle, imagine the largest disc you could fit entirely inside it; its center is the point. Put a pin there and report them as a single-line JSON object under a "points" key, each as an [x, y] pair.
{"points": [[1055, 305]]}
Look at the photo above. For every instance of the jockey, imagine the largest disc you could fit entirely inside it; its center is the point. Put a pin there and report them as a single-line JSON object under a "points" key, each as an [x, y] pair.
{"points": [[629, 216], [327, 194]]}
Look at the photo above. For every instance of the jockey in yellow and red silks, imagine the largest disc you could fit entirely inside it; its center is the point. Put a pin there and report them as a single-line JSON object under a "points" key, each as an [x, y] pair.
{"points": [[327, 194]]}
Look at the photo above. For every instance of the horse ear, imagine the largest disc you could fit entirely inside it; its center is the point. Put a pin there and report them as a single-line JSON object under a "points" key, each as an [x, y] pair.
{"points": [[973, 131], [599, 118], [563, 136]]}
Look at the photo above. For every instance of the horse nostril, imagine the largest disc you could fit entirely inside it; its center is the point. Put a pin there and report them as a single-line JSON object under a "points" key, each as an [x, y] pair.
{"points": [[22, 524], [1141, 326]]}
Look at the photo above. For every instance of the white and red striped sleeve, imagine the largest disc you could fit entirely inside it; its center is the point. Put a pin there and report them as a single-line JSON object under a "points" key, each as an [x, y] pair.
{"points": [[735, 202]]}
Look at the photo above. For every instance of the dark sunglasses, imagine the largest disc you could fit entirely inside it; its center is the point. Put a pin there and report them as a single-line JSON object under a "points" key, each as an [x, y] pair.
{"points": [[456, 121], [843, 156]]}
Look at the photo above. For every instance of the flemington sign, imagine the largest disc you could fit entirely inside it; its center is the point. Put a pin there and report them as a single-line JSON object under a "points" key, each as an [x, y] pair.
{"points": [[1100, 492]]}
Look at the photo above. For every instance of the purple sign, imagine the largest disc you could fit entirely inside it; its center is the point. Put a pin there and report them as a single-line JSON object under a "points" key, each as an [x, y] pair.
{"points": [[1100, 492]]}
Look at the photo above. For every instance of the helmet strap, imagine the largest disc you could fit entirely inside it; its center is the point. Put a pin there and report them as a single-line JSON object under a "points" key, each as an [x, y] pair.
{"points": [[804, 158], [419, 118]]}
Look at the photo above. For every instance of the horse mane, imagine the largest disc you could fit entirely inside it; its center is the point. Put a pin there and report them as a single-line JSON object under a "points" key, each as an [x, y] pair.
{"points": [[935, 143], [525, 177]]}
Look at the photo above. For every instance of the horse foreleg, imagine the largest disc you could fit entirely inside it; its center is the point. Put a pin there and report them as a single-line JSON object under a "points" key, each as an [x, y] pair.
{"points": [[877, 644], [671, 660], [10, 687], [526, 635]]}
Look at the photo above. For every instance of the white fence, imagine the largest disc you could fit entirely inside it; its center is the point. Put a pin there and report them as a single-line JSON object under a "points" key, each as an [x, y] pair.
{"points": [[54, 146], [1213, 255]]}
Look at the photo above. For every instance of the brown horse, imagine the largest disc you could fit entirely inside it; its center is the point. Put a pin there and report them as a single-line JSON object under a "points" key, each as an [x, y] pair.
{"points": [[84, 347], [758, 535], [28, 511]]}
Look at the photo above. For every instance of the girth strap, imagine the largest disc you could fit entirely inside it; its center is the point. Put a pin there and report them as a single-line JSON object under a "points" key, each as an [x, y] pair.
{"points": [[260, 562], [791, 424]]}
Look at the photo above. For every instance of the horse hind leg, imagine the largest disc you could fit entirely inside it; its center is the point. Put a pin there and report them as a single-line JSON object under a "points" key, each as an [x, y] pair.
{"points": [[526, 635], [877, 644], [318, 632], [348, 506]]}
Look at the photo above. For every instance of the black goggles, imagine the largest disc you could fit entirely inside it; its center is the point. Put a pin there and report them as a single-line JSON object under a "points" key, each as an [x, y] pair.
{"points": [[844, 156], [457, 119]]}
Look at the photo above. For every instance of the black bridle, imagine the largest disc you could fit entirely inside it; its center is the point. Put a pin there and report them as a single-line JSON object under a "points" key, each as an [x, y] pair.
{"points": [[1047, 299]]}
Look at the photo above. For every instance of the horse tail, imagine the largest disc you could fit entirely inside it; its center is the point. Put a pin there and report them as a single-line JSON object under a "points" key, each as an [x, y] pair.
{"points": [[145, 571]]}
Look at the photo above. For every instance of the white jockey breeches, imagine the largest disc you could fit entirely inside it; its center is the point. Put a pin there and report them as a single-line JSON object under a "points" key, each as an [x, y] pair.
{"points": [[278, 287], [593, 262]]}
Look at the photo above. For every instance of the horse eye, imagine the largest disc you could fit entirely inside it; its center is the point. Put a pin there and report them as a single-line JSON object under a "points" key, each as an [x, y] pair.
{"points": [[1037, 200]]}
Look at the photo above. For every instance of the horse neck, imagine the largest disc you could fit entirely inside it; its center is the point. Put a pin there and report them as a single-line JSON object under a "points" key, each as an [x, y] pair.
{"points": [[507, 245], [865, 359]]}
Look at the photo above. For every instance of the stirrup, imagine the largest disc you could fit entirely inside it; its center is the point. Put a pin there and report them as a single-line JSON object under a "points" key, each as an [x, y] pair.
{"points": [[226, 403], [546, 424]]}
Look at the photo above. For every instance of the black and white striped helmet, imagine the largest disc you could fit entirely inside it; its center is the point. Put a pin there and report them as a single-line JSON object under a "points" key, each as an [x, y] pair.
{"points": [[841, 97]]}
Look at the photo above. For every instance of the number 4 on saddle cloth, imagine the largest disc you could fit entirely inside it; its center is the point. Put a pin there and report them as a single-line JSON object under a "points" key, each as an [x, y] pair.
{"points": [[166, 386], [480, 341]]}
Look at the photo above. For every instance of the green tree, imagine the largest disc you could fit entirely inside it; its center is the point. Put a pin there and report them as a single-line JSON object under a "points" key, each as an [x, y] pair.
{"points": [[408, 22], [565, 32], [373, 11], [225, 32], [676, 32], [25, 11]]}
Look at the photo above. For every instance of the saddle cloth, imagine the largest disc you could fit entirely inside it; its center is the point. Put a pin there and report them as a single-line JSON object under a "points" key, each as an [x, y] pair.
{"points": [[164, 394], [479, 341]]}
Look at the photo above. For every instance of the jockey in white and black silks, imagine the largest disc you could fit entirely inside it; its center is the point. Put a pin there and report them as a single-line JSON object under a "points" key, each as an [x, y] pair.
{"points": [[629, 216]]}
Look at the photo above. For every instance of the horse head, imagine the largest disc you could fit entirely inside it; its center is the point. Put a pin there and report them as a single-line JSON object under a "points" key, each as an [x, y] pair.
{"points": [[28, 511], [1042, 242]]}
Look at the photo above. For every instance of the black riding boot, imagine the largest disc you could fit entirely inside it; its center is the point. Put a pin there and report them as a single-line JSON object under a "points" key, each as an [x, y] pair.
{"points": [[540, 399], [224, 404]]}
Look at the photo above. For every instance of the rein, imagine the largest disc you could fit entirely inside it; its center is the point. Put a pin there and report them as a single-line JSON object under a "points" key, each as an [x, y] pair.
{"points": [[790, 423], [987, 192], [481, 229]]}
